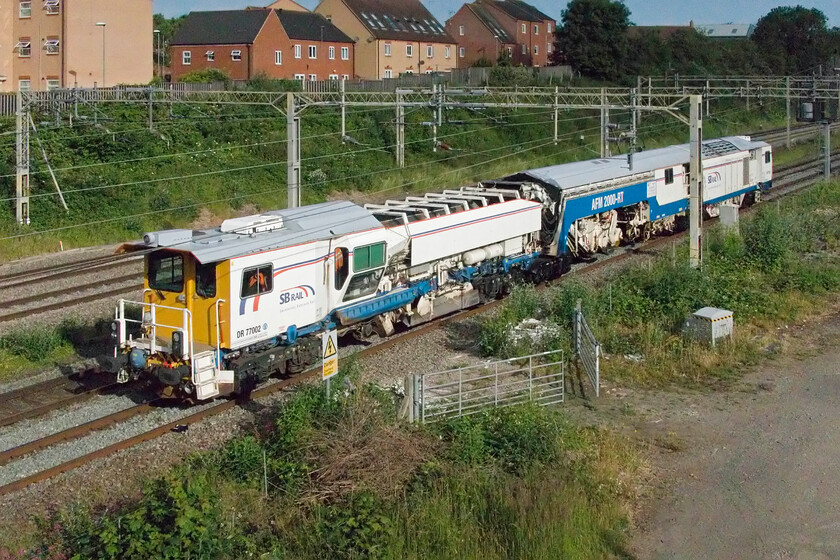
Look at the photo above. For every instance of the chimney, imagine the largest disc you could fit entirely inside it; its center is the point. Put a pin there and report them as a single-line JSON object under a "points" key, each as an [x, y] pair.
{"points": [[691, 23]]}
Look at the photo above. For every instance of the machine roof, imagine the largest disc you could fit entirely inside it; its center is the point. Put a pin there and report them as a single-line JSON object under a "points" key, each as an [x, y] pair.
{"points": [[581, 173], [263, 232]]}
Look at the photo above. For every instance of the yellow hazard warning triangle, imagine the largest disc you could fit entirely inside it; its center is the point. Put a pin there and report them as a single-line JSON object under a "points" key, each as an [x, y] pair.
{"points": [[329, 351]]}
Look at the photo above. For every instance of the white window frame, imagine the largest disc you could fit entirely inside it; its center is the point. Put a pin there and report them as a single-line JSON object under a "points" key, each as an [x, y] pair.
{"points": [[389, 73], [278, 58], [345, 76], [24, 49], [447, 51], [524, 48], [461, 30], [186, 58], [236, 55], [536, 30], [53, 83], [387, 49], [298, 50], [313, 77], [333, 77], [524, 28], [331, 52], [25, 85], [52, 7], [510, 51], [210, 56], [345, 53], [409, 72], [536, 49], [300, 77], [548, 48], [548, 28], [313, 52], [409, 50], [52, 46], [25, 10], [462, 52], [430, 51]]}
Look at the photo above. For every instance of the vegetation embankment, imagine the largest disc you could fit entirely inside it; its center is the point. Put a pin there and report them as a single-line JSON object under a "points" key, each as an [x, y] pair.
{"points": [[783, 267], [203, 165], [342, 478]]}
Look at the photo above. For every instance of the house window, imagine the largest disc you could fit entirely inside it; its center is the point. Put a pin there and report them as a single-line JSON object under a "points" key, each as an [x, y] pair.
{"points": [[24, 48], [52, 7], [278, 57], [313, 77], [536, 49], [548, 28], [345, 53], [461, 30], [334, 77], [53, 83], [409, 50], [389, 74], [524, 49], [430, 51], [462, 51], [387, 49], [332, 53], [257, 281], [236, 55], [297, 51], [186, 58], [51, 45], [536, 30], [669, 176], [313, 51], [510, 51], [548, 47], [300, 77], [211, 56], [524, 28], [25, 9], [24, 84], [345, 76], [446, 51]]}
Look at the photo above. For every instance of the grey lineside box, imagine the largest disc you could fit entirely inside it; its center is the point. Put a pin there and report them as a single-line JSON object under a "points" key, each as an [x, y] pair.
{"points": [[709, 325]]}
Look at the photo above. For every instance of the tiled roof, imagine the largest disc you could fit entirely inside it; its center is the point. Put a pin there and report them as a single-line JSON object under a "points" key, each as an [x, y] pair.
{"points": [[226, 27], [310, 26], [490, 22], [519, 10], [400, 20], [725, 30]]}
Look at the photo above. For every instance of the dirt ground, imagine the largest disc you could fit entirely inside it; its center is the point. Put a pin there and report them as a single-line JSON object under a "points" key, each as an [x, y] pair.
{"points": [[747, 473]]}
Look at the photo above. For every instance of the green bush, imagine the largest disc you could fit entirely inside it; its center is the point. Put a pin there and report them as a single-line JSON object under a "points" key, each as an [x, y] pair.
{"points": [[34, 343], [356, 527], [206, 76]]}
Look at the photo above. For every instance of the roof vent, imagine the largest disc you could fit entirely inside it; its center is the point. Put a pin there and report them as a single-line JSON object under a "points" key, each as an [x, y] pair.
{"points": [[248, 225]]}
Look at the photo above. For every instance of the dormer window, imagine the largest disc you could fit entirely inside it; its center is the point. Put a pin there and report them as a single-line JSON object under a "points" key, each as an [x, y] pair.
{"points": [[52, 7]]}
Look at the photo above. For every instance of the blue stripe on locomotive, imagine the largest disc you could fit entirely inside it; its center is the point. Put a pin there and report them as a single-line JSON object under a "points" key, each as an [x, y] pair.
{"points": [[603, 201]]}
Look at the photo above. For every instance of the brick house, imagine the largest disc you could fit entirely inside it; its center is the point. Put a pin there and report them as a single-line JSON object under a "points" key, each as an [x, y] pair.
{"points": [[50, 44], [479, 35], [530, 30], [392, 37], [280, 44]]}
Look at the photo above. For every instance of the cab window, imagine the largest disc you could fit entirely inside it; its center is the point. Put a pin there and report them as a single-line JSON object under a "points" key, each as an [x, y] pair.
{"points": [[205, 280], [257, 281], [368, 256], [363, 284], [166, 272], [766, 157], [341, 262], [669, 175]]}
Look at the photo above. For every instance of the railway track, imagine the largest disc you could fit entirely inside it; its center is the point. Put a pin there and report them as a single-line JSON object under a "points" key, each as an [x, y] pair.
{"points": [[784, 187], [39, 399]]}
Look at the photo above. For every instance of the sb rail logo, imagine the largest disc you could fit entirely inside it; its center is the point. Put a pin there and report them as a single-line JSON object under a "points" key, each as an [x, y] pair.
{"points": [[713, 177], [296, 294]]}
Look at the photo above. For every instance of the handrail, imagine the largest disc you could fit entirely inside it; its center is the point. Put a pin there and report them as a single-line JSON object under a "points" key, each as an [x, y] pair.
{"points": [[218, 333]]}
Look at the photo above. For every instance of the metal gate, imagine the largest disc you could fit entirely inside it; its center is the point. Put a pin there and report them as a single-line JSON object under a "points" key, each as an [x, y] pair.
{"points": [[537, 379], [587, 349]]}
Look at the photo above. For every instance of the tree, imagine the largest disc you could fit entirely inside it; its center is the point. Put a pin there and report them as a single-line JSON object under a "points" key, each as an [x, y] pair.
{"points": [[593, 37], [167, 28], [793, 40]]}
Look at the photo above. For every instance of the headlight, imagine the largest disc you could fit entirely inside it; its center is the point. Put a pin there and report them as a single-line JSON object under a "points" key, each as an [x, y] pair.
{"points": [[178, 343], [115, 331]]}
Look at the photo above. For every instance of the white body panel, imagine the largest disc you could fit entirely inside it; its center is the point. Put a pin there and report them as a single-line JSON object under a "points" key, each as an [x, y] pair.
{"points": [[445, 236]]}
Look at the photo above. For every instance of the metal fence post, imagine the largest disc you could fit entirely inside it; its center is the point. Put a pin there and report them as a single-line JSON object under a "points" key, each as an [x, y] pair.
{"points": [[496, 384], [415, 389], [530, 379], [460, 391], [597, 370], [422, 399]]}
